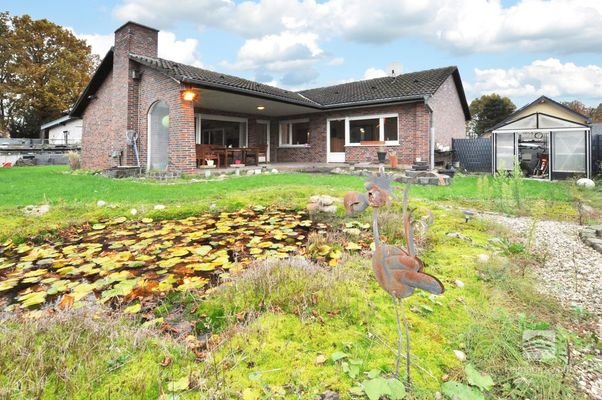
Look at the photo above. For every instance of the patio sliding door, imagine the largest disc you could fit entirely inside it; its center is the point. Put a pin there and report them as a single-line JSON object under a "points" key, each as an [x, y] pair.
{"points": [[569, 153], [504, 151], [221, 130]]}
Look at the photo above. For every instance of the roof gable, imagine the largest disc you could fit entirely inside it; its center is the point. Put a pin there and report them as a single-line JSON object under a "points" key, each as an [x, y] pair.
{"points": [[99, 76], [544, 105], [538, 121]]}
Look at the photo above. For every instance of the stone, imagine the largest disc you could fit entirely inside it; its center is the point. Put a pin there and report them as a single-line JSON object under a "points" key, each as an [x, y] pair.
{"points": [[274, 171], [460, 355], [597, 228], [438, 396], [483, 258], [258, 171], [101, 203], [133, 211], [159, 207], [459, 283], [330, 209], [36, 211], [207, 173], [587, 183]]}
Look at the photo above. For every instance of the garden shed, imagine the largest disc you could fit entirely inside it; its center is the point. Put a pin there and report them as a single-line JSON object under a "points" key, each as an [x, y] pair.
{"points": [[547, 139]]}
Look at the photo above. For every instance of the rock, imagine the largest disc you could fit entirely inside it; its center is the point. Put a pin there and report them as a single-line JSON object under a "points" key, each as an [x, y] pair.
{"points": [[330, 209], [445, 378], [458, 235], [460, 355], [250, 172], [133, 211], [258, 171], [438, 396], [213, 206], [459, 283], [329, 395], [274, 171], [483, 258], [36, 211], [587, 183], [159, 207], [101, 203], [207, 173]]}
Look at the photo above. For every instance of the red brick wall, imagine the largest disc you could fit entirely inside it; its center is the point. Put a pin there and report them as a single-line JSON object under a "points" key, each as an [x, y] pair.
{"points": [[98, 137], [413, 134], [154, 87], [448, 117]]}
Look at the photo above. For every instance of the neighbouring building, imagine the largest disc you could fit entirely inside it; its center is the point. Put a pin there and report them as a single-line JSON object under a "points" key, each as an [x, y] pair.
{"points": [[66, 130], [546, 138], [172, 109]]}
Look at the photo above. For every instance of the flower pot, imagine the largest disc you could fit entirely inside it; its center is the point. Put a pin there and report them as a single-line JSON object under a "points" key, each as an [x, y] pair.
{"points": [[382, 156], [210, 162], [236, 162]]}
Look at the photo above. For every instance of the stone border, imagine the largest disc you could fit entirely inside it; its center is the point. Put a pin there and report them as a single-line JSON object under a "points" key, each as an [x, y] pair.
{"points": [[592, 236]]}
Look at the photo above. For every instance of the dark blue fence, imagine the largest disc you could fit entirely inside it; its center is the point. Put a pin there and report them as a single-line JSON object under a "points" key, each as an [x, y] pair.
{"points": [[597, 154], [474, 155]]}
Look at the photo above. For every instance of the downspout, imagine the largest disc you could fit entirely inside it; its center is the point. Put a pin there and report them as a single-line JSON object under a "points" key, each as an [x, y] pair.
{"points": [[431, 132]]}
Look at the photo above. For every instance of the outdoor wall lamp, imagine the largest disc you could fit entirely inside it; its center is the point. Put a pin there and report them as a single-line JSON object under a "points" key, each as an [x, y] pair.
{"points": [[189, 94]]}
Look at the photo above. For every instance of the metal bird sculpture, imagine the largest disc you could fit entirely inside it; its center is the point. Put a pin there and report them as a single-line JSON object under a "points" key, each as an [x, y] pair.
{"points": [[398, 271]]}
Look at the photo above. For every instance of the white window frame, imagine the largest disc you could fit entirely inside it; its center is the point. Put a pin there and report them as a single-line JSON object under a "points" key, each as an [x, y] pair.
{"points": [[381, 133], [244, 136], [290, 132]]}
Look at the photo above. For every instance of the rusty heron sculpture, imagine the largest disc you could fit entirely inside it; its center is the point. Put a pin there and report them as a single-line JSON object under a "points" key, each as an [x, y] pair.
{"points": [[398, 271]]}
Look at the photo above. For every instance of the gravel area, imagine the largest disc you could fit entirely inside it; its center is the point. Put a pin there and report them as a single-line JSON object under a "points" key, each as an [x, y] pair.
{"points": [[572, 273]]}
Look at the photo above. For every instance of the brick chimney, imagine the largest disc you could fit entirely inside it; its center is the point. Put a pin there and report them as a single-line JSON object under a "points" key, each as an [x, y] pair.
{"points": [[130, 38]]}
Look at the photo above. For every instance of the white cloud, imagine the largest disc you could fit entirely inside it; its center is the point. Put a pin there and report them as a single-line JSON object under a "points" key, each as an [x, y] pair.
{"points": [[184, 51], [372, 73], [287, 35], [548, 77], [464, 25], [279, 53], [100, 43]]}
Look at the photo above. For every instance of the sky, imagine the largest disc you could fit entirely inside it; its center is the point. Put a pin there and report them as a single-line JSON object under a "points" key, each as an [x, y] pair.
{"points": [[517, 48]]}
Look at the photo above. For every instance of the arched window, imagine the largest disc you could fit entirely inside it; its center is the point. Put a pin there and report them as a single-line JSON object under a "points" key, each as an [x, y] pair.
{"points": [[158, 136]]}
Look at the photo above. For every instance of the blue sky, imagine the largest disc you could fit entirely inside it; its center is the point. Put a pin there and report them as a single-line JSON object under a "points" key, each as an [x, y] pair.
{"points": [[518, 48]]}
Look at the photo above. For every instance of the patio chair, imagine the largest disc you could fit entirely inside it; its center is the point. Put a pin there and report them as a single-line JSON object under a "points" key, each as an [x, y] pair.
{"points": [[204, 152]]}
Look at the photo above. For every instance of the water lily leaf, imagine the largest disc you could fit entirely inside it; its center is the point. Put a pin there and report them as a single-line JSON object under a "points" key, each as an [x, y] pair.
{"points": [[98, 227], [133, 309], [58, 286], [195, 282], [66, 302], [206, 267], [120, 220], [146, 220], [23, 248], [203, 250], [352, 231], [36, 272], [8, 284], [265, 244], [32, 299], [7, 265]]}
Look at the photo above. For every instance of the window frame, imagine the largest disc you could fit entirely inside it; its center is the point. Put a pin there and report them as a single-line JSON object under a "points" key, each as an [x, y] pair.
{"points": [[381, 133], [290, 124]]}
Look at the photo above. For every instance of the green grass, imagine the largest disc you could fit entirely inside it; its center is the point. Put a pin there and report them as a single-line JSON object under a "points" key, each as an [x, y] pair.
{"points": [[73, 197], [270, 325]]}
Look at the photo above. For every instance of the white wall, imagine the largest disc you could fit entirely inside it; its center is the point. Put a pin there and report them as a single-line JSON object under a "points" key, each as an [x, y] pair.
{"points": [[56, 135]]}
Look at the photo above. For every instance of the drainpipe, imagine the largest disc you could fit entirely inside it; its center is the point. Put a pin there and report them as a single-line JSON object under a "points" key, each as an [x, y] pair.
{"points": [[431, 132]]}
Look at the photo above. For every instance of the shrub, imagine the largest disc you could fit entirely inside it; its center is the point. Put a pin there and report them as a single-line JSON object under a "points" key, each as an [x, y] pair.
{"points": [[74, 160]]}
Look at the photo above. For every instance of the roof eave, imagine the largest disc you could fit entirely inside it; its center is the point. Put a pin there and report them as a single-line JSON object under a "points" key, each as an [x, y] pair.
{"points": [[98, 77]]}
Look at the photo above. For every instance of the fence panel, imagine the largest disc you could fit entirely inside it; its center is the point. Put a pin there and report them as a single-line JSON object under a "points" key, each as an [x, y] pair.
{"points": [[474, 155], [597, 154]]}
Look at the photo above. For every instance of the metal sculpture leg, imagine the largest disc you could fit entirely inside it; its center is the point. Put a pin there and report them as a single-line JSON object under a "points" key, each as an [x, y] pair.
{"points": [[405, 324], [399, 337]]}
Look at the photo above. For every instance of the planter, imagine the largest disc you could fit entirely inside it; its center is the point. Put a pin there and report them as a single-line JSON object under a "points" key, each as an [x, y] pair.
{"points": [[382, 156]]}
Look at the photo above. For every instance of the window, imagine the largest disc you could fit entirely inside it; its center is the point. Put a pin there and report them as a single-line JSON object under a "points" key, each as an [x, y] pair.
{"points": [[221, 130], [294, 133], [383, 128], [504, 151]]}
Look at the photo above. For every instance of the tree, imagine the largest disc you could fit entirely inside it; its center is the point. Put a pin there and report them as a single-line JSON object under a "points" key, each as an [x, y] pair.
{"points": [[487, 111], [43, 68]]}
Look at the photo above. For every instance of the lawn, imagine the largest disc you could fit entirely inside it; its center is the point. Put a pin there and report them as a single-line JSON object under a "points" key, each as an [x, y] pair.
{"points": [[286, 328]]}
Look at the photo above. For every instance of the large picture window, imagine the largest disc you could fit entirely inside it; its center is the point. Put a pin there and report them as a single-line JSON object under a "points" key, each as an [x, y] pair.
{"points": [[382, 128], [294, 133]]}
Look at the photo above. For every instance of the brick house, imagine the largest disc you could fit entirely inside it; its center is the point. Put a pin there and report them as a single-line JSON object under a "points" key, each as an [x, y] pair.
{"points": [[135, 91]]}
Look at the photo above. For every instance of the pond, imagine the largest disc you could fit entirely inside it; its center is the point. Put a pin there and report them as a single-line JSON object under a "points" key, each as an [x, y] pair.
{"points": [[121, 260]]}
